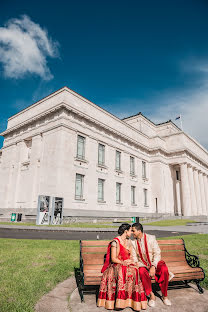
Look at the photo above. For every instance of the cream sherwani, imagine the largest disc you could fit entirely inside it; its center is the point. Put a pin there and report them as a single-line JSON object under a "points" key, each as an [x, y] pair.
{"points": [[153, 248]]}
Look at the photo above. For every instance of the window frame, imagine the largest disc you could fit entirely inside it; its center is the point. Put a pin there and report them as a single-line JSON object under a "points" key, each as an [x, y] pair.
{"points": [[132, 163], [101, 200], [144, 169], [145, 192], [119, 154], [81, 157], [103, 151], [119, 200], [133, 199], [81, 196]]}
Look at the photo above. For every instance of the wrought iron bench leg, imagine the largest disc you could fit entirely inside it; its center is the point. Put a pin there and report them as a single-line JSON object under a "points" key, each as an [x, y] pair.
{"points": [[81, 294], [201, 290]]}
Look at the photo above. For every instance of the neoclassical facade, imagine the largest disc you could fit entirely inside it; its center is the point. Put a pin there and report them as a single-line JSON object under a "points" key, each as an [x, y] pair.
{"points": [[64, 151]]}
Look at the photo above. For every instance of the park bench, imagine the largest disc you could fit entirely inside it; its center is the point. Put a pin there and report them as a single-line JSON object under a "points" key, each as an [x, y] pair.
{"points": [[180, 262]]}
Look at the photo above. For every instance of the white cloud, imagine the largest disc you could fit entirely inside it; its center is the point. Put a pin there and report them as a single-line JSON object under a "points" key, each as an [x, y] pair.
{"points": [[24, 47], [192, 105]]}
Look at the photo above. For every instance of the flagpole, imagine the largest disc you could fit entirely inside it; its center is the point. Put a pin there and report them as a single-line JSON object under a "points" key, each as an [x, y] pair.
{"points": [[181, 122]]}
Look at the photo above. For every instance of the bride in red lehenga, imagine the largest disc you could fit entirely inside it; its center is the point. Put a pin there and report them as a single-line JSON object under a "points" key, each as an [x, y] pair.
{"points": [[121, 286]]}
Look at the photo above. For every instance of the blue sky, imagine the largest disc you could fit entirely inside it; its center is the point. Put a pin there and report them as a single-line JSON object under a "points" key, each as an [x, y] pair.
{"points": [[125, 56]]}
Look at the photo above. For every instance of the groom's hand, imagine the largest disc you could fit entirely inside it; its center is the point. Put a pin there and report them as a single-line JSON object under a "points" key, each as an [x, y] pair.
{"points": [[152, 271]]}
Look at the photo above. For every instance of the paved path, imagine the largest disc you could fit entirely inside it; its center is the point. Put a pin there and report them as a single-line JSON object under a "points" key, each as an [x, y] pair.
{"points": [[193, 228], [65, 298], [75, 235], [183, 300], [57, 300]]}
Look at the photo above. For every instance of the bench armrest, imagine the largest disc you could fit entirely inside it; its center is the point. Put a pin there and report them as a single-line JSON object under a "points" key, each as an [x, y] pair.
{"points": [[192, 260]]}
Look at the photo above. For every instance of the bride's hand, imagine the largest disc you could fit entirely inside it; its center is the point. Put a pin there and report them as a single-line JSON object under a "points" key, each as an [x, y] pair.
{"points": [[127, 262]]}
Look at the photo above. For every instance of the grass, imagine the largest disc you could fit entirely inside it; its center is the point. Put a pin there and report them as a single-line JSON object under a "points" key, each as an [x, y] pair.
{"points": [[31, 268], [80, 225], [170, 222]]}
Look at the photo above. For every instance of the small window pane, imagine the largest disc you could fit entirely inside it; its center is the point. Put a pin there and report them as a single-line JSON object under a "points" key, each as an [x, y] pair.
{"points": [[100, 190], [133, 194], [79, 186], [118, 193], [144, 173], [145, 197], [132, 165], [118, 160], [80, 147], [101, 154]]}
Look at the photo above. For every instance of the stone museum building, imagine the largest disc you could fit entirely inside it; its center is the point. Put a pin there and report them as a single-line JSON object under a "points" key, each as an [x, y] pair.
{"points": [[64, 156]]}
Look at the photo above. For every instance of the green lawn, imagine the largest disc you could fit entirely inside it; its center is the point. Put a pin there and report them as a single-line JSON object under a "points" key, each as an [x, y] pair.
{"points": [[80, 225], [170, 222], [31, 268]]}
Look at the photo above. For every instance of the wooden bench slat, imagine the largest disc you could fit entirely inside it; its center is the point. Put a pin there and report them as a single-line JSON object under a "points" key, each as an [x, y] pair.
{"points": [[177, 263], [92, 278], [95, 243], [170, 242], [184, 277], [94, 249], [167, 248], [184, 269], [93, 282], [92, 257], [93, 274], [87, 259], [92, 267], [174, 253]]}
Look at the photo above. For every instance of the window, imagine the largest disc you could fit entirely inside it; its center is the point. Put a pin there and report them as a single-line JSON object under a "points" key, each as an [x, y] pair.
{"points": [[27, 149], [132, 165], [118, 193], [144, 171], [133, 189], [145, 197], [79, 186], [118, 160], [101, 154], [101, 190], [80, 147], [178, 175]]}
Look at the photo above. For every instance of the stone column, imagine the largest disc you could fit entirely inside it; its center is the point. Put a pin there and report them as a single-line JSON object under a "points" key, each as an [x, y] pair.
{"points": [[198, 194], [192, 191], [35, 166], [186, 203], [203, 199], [206, 191]]}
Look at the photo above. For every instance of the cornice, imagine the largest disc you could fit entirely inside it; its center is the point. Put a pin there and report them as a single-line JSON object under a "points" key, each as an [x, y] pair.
{"points": [[150, 151]]}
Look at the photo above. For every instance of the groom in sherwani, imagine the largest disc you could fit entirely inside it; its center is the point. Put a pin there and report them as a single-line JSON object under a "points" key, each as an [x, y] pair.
{"points": [[146, 253]]}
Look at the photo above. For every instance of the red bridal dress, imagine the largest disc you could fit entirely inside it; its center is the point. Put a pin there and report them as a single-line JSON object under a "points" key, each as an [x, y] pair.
{"points": [[121, 286]]}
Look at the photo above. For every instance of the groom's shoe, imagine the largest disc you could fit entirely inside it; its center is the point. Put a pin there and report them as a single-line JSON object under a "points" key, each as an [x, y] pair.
{"points": [[151, 303], [171, 276], [167, 302]]}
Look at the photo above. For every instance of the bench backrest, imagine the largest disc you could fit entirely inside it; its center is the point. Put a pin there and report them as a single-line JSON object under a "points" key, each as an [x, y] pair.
{"points": [[92, 255]]}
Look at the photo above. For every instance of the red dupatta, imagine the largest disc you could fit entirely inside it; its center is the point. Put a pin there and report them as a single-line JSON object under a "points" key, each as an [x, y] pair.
{"points": [[148, 262], [123, 253], [108, 258]]}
